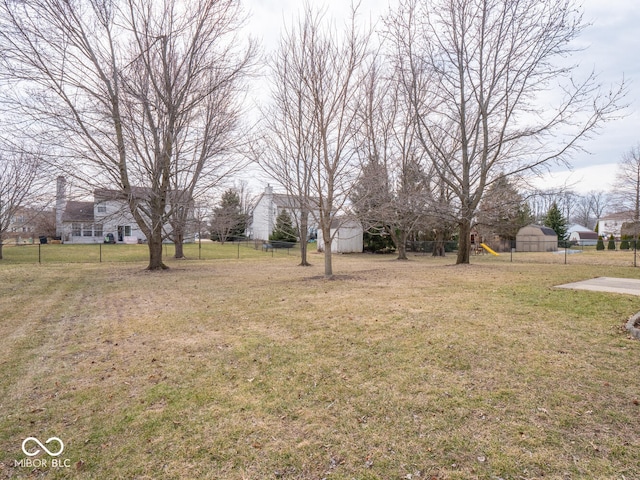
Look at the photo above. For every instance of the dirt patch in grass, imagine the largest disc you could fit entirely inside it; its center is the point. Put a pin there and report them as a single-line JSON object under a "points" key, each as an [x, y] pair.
{"points": [[257, 369]]}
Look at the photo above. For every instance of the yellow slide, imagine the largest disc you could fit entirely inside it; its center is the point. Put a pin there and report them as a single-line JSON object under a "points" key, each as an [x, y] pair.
{"points": [[489, 249]]}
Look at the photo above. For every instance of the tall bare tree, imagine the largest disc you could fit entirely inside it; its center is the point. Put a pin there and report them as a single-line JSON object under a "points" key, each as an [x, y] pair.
{"points": [[315, 115], [627, 188], [18, 175], [287, 149], [478, 72], [392, 191], [137, 93], [627, 182]]}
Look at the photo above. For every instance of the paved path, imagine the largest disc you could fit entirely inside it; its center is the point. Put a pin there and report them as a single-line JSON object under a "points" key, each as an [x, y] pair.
{"points": [[629, 286]]}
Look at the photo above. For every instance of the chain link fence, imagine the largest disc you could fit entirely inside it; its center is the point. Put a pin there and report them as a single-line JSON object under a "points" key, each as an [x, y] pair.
{"points": [[559, 253], [105, 253]]}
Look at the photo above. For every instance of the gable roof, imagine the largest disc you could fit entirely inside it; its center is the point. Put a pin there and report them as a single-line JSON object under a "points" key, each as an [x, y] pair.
{"points": [[78, 212], [141, 193], [587, 235]]}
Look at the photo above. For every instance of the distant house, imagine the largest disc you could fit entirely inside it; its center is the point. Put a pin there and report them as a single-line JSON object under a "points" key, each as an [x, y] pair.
{"points": [[536, 238], [27, 224], [92, 221], [584, 239], [580, 235], [612, 224], [268, 206], [347, 233]]}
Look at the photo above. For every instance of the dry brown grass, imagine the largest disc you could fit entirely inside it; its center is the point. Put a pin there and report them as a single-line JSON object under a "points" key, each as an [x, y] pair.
{"points": [[260, 369]]}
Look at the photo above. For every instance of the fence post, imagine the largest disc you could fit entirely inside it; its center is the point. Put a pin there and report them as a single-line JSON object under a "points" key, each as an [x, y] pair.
{"points": [[238, 250], [39, 253], [100, 245]]}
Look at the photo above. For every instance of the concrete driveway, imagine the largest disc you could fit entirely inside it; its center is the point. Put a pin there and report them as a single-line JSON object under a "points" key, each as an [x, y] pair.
{"points": [[629, 286]]}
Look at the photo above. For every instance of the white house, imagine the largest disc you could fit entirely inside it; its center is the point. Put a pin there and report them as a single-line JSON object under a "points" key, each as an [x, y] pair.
{"points": [[347, 233], [91, 221], [582, 236], [267, 209], [612, 224]]}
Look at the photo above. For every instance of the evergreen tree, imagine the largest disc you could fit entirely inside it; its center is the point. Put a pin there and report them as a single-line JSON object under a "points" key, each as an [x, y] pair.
{"points": [[503, 212], [600, 245], [624, 245], [557, 222], [284, 231], [612, 243], [228, 221]]}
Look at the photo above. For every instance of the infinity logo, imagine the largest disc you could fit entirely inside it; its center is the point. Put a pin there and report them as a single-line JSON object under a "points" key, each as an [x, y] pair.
{"points": [[34, 439]]}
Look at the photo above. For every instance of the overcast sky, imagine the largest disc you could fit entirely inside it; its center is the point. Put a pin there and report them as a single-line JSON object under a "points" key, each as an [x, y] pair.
{"points": [[612, 49]]}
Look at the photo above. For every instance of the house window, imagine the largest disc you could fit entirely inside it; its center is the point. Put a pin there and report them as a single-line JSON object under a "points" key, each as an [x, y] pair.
{"points": [[76, 229], [97, 230], [102, 208], [87, 230]]}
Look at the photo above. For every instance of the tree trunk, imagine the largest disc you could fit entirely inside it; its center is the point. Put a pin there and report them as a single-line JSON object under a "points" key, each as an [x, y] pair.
{"points": [[399, 238], [0, 249], [438, 245], [179, 243], [328, 267], [464, 242], [304, 225], [155, 252]]}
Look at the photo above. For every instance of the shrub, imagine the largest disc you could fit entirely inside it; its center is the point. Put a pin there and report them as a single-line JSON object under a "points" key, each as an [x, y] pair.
{"points": [[600, 244], [612, 243], [624, 244]]}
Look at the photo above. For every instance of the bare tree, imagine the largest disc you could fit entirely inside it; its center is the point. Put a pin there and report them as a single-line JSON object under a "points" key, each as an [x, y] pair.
{"points": [[627, 188], [315, 111], [18, 174], [627, 183], [391, 194], [139, 94], [477, 72], [287, 149]]}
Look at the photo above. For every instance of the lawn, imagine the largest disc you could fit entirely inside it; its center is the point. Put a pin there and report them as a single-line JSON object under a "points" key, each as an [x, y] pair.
{"points": [[105, 253], [254, 368]]}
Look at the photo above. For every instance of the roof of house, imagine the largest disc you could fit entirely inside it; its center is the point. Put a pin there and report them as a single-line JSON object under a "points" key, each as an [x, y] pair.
{"points": [[628, 215], [142, 193], [282, 200], [78, 212], [587, 235], [576, 227]]}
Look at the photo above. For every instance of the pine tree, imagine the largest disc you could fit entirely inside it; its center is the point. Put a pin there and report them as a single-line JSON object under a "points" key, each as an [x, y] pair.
{"points": [[612, 243], [284, 231], [600, 245], [557, 222], [228, 221], [503, 212]]}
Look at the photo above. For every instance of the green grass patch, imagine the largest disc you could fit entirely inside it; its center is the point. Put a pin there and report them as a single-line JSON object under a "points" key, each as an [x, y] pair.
{"points": [[256, 368], [107, 253]]}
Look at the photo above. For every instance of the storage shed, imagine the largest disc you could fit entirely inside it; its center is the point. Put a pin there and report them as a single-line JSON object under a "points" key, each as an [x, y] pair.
{"points": [[347, 236], [536, 238]]}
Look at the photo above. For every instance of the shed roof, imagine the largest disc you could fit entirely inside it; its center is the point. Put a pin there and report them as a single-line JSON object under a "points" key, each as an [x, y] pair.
{"points": [[533, 229]]}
